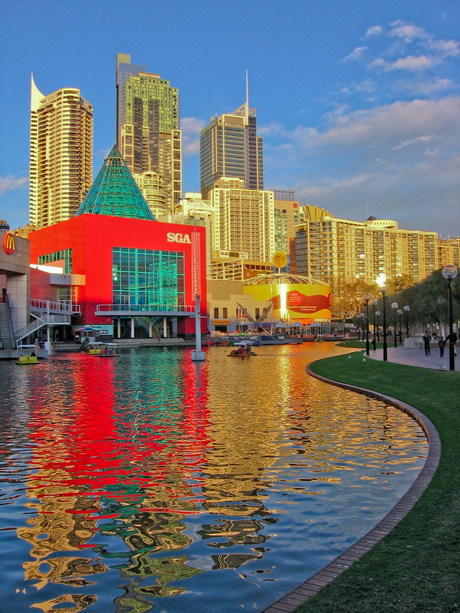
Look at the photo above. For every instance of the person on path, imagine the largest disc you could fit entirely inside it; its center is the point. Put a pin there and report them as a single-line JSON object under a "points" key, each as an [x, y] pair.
{"points": [[442, 344], [453, 337], [426, 339]]}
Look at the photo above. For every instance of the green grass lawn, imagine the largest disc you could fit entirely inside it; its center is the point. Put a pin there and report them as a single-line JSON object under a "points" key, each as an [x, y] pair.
{"points": [[416, 568], [356, 344]]}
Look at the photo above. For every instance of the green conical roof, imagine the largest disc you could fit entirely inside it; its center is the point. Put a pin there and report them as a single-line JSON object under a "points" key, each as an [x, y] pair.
{"points": [[115, 192]]}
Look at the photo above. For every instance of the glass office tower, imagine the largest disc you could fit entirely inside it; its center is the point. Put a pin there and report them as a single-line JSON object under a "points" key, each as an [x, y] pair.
{"points": [[148, 133], [230, 147]]}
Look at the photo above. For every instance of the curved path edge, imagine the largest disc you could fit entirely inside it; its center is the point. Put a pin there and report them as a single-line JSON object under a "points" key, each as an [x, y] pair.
{"points": [[289, 602]]}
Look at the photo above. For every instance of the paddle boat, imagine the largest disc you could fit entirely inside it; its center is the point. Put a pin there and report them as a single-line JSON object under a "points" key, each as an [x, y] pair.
{"points": [[27, 355], [95, 348], [108, 350], [243, 350]]}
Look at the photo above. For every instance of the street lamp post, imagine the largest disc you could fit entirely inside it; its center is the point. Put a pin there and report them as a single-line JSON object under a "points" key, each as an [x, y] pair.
{"points": [[449, 272], [381, 283], [407, 309], [394, 306], [400, 312]]}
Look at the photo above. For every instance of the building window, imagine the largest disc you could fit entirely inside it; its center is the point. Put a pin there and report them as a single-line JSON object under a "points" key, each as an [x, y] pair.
{"points": [[63, 257], [216, 313], [257, 313], [225, 312], [148, 278]]}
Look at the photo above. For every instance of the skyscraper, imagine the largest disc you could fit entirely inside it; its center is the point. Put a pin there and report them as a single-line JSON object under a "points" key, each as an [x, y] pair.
{"points": [[148, 134], [243, 224], [230, 147], [61, 154]]}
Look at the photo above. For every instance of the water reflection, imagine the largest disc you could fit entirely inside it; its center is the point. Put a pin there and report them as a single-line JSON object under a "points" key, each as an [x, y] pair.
{"points": [[129, 482]]}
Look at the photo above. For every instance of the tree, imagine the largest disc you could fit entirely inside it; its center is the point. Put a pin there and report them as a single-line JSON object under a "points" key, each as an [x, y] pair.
{"points": [[347, 299], [429, 301]]}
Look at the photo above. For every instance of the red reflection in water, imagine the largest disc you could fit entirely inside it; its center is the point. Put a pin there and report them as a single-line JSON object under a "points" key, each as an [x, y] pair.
{"points": [[81, 435], [95, 436]]}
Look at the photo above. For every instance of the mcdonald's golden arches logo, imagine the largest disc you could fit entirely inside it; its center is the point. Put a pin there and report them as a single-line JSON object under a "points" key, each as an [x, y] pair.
{"points": [[9, 243]]}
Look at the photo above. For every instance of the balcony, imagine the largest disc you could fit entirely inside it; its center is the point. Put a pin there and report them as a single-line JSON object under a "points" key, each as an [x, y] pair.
{"points": [[62, 307], [145, 310]]}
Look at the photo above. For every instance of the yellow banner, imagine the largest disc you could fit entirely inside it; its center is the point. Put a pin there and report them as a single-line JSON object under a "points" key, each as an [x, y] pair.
{"points": [[297, 301]]}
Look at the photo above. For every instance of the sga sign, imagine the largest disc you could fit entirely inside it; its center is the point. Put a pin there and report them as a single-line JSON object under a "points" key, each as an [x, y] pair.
{"points": [[178, 238], [9, 243]]}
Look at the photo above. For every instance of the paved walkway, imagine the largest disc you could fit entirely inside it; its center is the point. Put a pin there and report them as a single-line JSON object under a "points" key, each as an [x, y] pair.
{"points": [[417, 357]]}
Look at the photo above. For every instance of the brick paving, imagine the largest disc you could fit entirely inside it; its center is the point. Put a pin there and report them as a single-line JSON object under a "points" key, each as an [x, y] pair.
{"points": [[417, 357], [413, 357]]}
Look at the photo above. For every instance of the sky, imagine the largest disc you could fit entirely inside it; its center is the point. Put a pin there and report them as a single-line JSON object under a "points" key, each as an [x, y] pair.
{"points": [[358, 101]]}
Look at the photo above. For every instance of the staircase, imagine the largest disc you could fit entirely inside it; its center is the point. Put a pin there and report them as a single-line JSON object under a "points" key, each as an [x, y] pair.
{"points": [[5, 330]]}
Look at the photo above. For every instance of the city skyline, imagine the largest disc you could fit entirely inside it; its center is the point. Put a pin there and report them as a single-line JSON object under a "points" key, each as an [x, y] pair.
{"points": [[359, 109]]}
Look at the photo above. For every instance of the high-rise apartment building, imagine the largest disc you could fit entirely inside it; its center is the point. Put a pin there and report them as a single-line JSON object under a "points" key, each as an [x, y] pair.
{"points": [[449, 251], [150, 184], [243, 224], [61, 154], [230, 147], [148, 133], [339, 251], [288, 214]]}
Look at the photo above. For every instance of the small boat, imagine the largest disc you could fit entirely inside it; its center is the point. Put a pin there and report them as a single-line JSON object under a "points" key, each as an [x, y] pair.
{"points": [[27, 355], [243, 351], [108, 350], [95, 348]]}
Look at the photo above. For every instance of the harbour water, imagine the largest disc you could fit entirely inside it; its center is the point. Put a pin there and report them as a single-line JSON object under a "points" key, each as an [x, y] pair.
{"points": [[151, 483]]}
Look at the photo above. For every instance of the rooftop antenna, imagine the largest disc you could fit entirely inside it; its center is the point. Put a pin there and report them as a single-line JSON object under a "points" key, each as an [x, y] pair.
{"points": [[367, 210]]}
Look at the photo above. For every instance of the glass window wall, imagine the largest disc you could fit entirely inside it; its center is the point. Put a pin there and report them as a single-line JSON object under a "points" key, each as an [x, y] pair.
{"points": [[148, 278]]}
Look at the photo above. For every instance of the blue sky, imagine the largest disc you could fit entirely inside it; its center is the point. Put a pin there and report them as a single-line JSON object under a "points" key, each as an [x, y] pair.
{"points": [[358, 102]]}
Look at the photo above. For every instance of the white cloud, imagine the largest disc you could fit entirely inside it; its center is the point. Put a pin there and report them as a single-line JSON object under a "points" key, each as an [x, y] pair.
{"points": [[191, 128], [426, 86], [364, 86], [387, 124], [407, 32], [427, 50], [445, 47], [432, 152], [10, 183], [373, 31], [412, 141], [380, 156], [411, 62], [355, 54]]}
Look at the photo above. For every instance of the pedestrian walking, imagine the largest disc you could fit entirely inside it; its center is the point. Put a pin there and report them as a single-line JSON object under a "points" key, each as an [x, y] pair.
{"points": [[442, 344], [426, 339], [452, 338]]}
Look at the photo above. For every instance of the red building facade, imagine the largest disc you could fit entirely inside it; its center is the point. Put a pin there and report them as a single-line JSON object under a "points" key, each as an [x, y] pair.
{"points": [[117, 268]]}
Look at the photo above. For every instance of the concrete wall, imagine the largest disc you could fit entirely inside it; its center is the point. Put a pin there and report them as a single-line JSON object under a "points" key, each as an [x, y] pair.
{"points": [[16, 267]]}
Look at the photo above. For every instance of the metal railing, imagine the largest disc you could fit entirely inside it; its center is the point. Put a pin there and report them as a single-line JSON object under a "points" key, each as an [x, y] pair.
{"points": [[144, 308], [53, 319], [62, 306]]}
